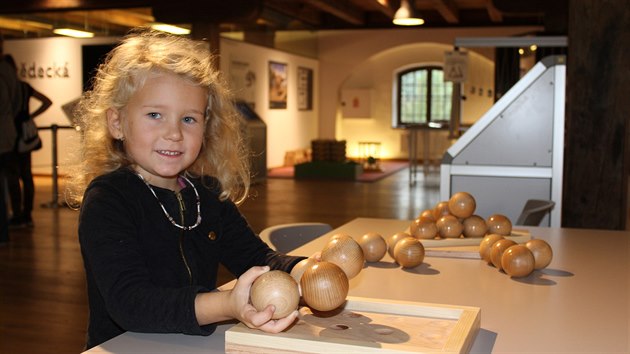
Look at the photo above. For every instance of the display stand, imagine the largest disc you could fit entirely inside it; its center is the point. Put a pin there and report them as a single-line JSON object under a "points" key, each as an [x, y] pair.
{"points": [[54, 203], [515, 151]]}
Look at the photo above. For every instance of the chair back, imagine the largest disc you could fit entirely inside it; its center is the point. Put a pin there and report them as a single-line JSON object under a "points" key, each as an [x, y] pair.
{"points": [[287, 237], [534, 211]]}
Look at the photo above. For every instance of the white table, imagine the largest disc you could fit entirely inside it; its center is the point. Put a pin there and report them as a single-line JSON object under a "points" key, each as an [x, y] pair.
{"points": [[580, 303]]}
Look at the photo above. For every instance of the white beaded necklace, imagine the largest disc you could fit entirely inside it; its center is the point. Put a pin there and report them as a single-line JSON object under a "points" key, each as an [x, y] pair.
{"points": [[170, 218]]}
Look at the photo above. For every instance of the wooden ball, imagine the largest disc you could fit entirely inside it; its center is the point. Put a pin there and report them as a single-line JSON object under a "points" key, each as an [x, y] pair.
{"points": [[486, 245], [462, 204], [345, 252], [449, 226], [542, 252], [474, 226], [497, 251], [300, 267], [426, 215], [517, 261], [392, 240], [275, 288], [324, 286], [374, 246], [440, 210], [409, 252], [424, 230], [499, 224]]}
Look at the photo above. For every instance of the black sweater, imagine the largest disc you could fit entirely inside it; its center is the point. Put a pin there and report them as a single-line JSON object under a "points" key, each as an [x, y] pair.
{"points": [[143, 273]]}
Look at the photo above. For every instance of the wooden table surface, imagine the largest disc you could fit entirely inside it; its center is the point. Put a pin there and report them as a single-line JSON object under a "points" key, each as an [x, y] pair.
{"points": [[579, 303]]}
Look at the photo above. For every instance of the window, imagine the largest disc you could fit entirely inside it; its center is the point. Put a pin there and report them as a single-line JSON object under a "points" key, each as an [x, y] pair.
{"points": [[423, 96]]}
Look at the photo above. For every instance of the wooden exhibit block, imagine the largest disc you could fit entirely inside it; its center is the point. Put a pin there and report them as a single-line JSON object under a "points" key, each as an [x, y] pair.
{"points": [[366, 325]]}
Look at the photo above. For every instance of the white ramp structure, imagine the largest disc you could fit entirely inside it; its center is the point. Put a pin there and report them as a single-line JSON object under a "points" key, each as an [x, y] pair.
{"points": [[515, 151]]}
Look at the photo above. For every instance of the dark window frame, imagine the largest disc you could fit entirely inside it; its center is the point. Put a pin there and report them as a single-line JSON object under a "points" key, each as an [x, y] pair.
{"points": [[399, 93]]}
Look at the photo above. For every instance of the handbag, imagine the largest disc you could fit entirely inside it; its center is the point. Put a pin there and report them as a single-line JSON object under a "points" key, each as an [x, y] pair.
{"points": [[29, 139]]}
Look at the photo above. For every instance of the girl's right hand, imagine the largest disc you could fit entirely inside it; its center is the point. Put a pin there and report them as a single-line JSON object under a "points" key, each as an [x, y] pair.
{"points": [[243, 310]]}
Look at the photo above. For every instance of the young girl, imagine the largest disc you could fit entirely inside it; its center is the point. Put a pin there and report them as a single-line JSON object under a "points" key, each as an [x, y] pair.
{"points": [[162, 161]]}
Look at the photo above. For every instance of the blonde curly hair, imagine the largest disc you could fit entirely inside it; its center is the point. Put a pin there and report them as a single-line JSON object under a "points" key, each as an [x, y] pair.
{"points": [[141, 53]]}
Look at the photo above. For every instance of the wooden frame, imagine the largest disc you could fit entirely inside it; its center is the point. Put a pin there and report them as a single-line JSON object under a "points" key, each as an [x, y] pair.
{"points": [[365, 325]]}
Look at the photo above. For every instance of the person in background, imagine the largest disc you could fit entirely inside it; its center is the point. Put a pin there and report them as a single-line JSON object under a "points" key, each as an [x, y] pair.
{"points": [[8, 134], [22, 197], [162, 167]]}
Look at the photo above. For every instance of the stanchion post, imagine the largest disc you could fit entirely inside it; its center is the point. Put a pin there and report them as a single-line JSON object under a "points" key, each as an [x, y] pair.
{"points": [[55, 188]]}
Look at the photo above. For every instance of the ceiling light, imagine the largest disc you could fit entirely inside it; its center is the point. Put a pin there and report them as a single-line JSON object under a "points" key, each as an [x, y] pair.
{"points": [[406, 16], [73, 33], [170, 28]]}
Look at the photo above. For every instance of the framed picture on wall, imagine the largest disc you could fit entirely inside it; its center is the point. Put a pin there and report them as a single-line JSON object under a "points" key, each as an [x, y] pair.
{"points": [[304, 89], [277, 85]]}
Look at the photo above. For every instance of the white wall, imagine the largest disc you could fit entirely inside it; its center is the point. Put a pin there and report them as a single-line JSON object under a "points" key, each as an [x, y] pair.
{"points": [[287, 129], [367, 59]]}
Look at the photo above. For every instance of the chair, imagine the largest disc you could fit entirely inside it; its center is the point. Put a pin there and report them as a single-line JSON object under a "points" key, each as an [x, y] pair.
{"points": [[287, 237], [534, 211]]}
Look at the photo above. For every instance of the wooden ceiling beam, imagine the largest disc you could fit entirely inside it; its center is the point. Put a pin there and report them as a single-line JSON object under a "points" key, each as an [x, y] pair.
{"points": [[341, 9], [447, 9], [29, 6], [495, 15]]}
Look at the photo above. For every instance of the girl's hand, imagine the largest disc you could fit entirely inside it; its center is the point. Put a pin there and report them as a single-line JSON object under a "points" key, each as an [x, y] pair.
{"points": [[243, 310]]}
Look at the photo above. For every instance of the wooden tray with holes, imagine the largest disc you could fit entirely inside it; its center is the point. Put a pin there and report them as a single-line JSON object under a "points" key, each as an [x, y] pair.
{"points": [[365, 325]]}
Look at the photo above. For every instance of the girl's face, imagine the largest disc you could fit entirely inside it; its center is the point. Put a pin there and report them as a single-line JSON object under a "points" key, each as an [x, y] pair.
{"points": [[163, 126]]}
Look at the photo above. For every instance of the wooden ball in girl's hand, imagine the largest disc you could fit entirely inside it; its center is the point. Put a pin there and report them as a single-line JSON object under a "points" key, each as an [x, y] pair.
{"points": [[409, 252], [449, 226], [542, 252], [496, 252], [499, 224], [486, 245], [517, 261], [474, 226], [324, 286], [462, 204], [392, 240], [374, 246], [345, 252], [275, 288], [300, 267], [423, 229]]}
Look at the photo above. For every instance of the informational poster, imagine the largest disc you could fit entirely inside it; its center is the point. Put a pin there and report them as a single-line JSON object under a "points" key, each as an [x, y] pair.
{"points": [[243, 81], [277, 85], [455, 66], [305, 89]]}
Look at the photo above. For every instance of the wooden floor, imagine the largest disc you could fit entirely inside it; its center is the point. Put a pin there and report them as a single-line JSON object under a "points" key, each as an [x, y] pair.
{"points": [[43, 301]]}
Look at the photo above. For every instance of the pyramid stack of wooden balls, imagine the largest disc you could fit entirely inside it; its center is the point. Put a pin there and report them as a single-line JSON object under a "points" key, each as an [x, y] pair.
{"points": [[455, 218], [324, 284]]}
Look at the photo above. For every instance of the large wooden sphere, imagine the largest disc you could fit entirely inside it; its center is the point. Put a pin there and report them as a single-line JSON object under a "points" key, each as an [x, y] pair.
{"points": [[542, 252], [449, 226], [474, 226], [440, 210], [517, 261], [324, 286], [427, 215], [409, 252], [462, 204], [486, 245], [300, 267], [345, 252], [374, 246], [423, 229], [275, 288], [496, 252], [392, 240], [499, 224]]}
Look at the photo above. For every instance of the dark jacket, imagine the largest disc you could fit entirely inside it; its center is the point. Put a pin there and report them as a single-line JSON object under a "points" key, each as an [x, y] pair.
{"points": [[143, 273]]}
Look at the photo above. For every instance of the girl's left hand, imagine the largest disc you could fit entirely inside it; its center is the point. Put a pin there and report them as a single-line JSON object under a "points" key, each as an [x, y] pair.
{"points": [[246, 313]]}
